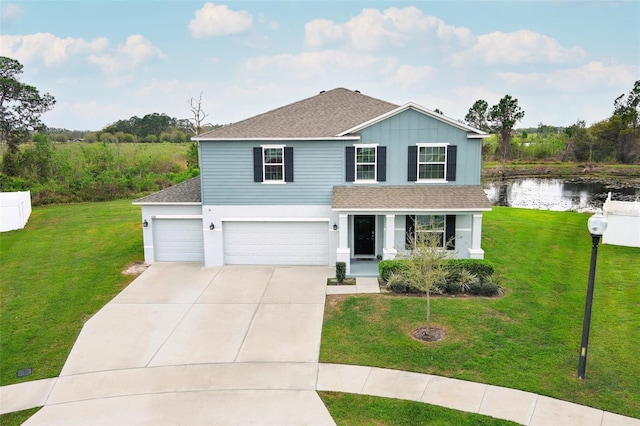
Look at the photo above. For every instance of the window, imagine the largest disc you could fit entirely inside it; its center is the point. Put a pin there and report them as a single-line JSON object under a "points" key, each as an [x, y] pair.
{"points": [[366, 163], [443, 227], [273, 163], [432, 162], [430, 226]]}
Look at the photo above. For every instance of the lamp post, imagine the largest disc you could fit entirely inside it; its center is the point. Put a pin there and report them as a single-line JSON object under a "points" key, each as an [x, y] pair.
{"points": [[596, 224]]}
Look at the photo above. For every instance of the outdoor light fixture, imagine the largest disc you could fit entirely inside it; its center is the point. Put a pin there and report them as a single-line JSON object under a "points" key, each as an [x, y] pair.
{"points": [[145, 223], [597, 225], [335, 226], [212, 226]]}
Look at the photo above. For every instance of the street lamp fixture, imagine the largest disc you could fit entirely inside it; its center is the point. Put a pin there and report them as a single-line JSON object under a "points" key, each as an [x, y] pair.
{"points": [[597, 225]]}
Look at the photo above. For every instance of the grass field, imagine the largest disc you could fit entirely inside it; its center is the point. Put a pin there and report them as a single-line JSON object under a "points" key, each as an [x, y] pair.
{"points": [[529, 338], [57, 272]]}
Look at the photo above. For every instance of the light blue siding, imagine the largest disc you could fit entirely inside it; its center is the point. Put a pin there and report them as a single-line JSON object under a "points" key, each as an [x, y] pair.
{"points": [[227, 174], [227, 166]]}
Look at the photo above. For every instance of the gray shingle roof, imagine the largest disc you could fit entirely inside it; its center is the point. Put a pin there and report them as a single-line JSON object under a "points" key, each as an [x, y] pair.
{"points": [[433, 197], [325, 115], [184, 192]]}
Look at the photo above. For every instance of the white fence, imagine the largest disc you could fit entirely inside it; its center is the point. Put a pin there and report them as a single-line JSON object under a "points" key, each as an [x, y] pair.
{"points": [[15, 209], [623, 222]]}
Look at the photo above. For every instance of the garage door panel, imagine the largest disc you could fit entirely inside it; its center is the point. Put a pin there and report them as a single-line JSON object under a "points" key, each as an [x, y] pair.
{"points": [[276, 243], [178, 240]]}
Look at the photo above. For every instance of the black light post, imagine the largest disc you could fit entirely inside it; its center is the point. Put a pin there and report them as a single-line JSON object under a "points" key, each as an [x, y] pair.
{"points": [[596, 224]]}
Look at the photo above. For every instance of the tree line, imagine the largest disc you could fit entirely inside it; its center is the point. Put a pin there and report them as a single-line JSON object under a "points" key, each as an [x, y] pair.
{"points": [[615, 139]]}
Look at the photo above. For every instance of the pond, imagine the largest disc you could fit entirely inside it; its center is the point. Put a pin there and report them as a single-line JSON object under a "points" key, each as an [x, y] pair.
{"points": [[557, 194]]}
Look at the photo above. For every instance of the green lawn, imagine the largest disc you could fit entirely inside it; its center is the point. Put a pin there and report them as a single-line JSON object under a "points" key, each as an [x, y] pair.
{"points": [[56, 273], [349, 409], [529, 338]]}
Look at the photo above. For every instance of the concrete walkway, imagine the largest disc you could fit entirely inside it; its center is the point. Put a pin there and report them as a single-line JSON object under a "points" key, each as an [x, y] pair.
{"points": [[184, 344]]}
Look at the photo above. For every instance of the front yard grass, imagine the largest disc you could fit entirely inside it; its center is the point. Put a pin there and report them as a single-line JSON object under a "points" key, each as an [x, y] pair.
{"points": [[349, 409], [55, 274], [529, 338]]}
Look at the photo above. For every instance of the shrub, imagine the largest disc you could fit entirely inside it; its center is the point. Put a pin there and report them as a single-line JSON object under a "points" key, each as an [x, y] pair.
{"points": [[480, 268], [398, 283], [341, 271], [463, 276], [485, 288], [388, 267]]}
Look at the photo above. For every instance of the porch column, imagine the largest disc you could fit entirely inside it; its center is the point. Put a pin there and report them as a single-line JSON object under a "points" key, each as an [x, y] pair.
{"points": [[475, 251], [343, 253], [389, 252]]}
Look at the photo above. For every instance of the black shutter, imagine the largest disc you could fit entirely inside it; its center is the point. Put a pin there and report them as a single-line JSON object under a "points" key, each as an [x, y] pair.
{"points": [[382, 164], [288, 164], [450, 232], [410, 224], [257, 164], [452, 153], [412, 165], [350, 164]]}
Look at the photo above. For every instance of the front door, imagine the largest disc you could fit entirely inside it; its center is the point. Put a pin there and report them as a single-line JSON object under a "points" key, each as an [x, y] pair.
{"points": [[364, 233]]}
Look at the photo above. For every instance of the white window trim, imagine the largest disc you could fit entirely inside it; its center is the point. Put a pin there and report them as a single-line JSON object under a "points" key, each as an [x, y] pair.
{"points": [[432, 145], [264, 164], [375, 164]]}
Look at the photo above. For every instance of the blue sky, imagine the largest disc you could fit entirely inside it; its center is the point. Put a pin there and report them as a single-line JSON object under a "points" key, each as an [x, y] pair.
{"points": [[106, 61]]}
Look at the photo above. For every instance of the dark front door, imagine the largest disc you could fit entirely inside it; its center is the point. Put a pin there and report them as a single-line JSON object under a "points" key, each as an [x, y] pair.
{"points": [[364, 232]]}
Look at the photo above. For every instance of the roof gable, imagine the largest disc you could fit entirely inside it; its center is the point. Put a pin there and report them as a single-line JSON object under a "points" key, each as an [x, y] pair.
{"points": [[471, 131], [326, 115]]}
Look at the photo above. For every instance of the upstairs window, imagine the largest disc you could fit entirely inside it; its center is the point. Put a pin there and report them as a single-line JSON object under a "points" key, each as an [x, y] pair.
{"points": [[273, 163], [432, 162], [366, 163]]}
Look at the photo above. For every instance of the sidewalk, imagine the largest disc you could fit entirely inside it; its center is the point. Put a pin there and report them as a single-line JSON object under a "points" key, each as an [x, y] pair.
{"points": [[182, 375]]}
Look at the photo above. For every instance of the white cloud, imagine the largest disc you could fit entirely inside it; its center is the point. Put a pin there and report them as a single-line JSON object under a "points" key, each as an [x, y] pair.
{"points": [[308, 65], [592, 76], [47, 47], [10, 13], [134, 52], [406, 76], [218, 20], [322, 31], [373, 29], [519, 47]]}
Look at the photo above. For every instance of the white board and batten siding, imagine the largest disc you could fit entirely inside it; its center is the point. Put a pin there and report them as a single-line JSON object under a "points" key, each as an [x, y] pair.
{"points": [[276, 243], [178, 240]]}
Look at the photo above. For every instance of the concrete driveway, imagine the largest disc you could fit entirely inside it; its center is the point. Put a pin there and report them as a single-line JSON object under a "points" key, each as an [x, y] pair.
{"points": [[184, 344]]}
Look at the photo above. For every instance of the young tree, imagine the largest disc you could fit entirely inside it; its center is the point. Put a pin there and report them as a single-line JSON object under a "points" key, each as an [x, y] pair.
{"points": [[425, 266], [21, 106], [503, 118], [477, 115]]}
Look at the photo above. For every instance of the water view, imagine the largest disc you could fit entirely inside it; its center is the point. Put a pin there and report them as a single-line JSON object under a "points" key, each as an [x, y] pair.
{"points": [[557, 194]]}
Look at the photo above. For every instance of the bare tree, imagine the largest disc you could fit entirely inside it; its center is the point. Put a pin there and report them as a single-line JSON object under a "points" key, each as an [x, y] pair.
{"points": [[198, 114]]}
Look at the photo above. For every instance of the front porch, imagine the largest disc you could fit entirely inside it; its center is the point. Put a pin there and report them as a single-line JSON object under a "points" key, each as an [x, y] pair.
{"points": [[363, 268]]}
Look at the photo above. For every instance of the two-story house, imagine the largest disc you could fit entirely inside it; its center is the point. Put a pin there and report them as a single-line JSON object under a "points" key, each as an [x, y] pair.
{"points": [[335, 177]]}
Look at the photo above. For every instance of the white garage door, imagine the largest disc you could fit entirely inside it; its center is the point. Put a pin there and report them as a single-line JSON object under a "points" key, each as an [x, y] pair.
{"points": [[178, 240], [276, 243]]}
